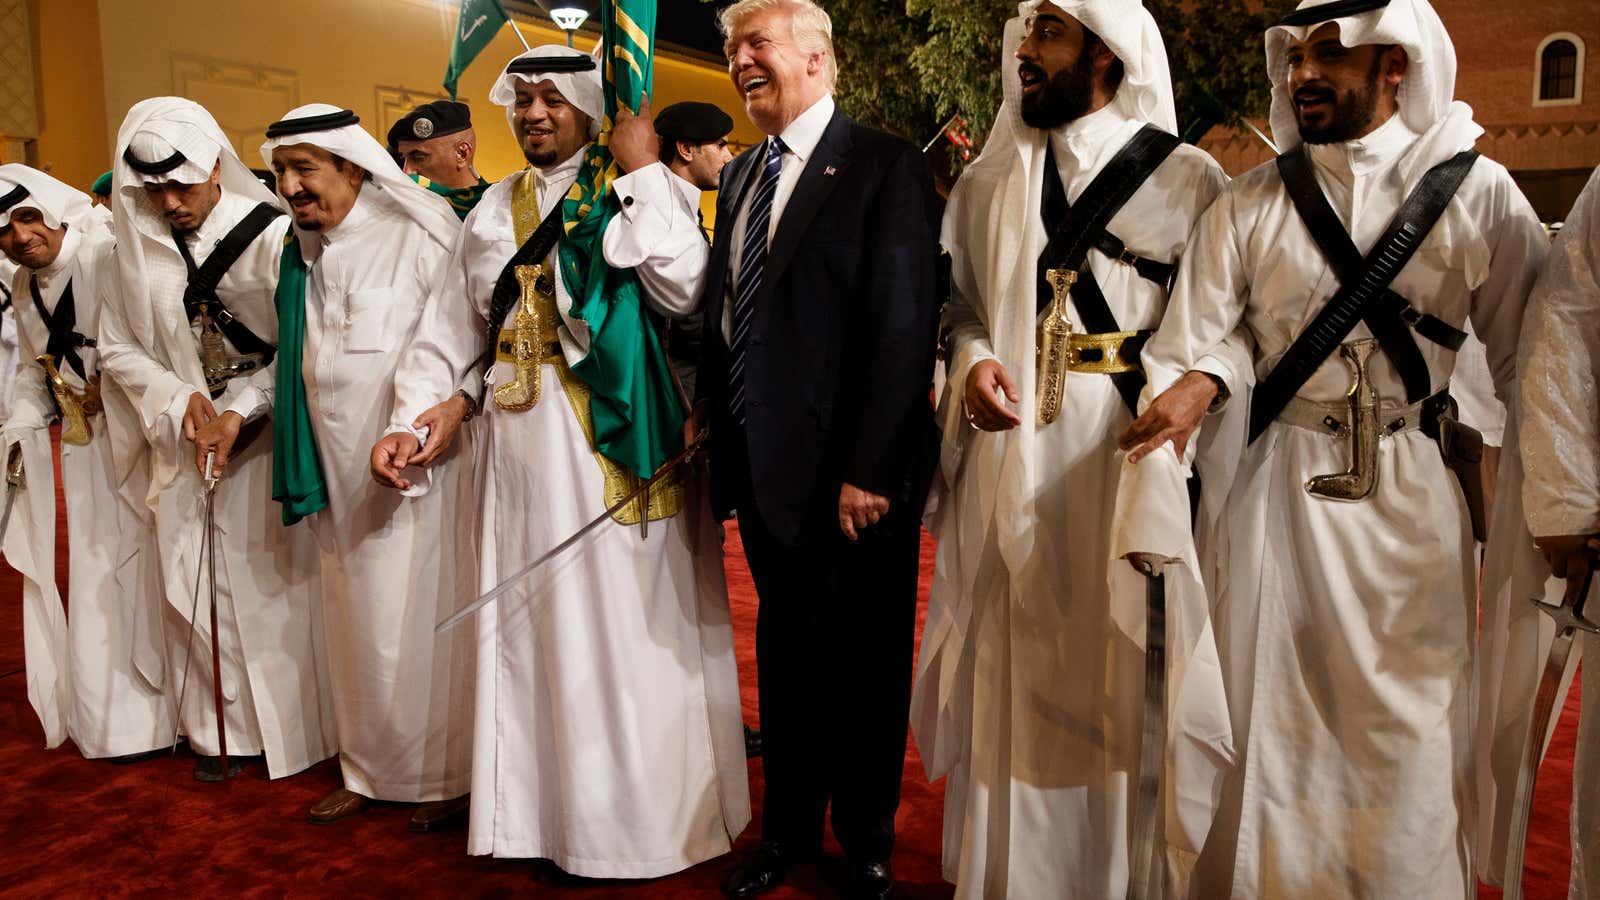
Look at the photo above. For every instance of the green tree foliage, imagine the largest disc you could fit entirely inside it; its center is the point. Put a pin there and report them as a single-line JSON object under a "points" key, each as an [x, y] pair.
{"points": [[908, 68]]}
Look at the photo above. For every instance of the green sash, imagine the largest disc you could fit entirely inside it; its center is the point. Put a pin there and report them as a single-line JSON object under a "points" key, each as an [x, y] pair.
{"points": [[297, 480], [462, 200], [638, 418]]}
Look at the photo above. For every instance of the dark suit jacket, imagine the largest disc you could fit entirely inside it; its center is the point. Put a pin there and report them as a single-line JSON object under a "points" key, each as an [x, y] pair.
{"points": [[839, 359]]}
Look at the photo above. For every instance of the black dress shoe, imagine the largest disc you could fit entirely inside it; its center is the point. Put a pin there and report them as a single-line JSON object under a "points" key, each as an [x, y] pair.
{"points": [[209, 768], [752, 743], [760, 871], [870, 881]]}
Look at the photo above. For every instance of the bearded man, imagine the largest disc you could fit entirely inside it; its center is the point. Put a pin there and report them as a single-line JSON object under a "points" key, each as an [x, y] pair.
{"points": [[1347, 594], [1028, 696]]}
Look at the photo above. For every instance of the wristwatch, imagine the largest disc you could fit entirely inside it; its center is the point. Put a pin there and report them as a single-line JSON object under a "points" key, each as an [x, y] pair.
{"points": [[472, 403]]}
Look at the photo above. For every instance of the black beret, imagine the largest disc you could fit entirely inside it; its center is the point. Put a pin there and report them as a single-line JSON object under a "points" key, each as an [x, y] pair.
{"points": [[692, 121], [430, 120]]}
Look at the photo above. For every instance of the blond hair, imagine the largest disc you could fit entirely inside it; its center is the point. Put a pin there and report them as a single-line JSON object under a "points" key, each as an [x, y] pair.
{"points": [[809, 26]]}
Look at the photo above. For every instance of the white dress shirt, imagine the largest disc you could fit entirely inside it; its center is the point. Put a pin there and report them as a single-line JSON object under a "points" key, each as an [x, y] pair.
{"points": [[800, 140]]}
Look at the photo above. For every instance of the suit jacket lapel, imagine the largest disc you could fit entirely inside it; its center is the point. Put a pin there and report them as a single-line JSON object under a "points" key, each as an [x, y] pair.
{"points": [[817, 180]]}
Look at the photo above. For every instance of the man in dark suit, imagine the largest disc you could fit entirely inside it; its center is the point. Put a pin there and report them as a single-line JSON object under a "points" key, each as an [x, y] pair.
{"points": [[818, 356]]}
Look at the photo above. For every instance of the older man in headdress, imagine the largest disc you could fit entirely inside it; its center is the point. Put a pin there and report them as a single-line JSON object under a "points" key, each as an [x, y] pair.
{"points": [[607, 734], [198, 242], [1028, 696], [1347, 600], [97, 678], [366, 247]]}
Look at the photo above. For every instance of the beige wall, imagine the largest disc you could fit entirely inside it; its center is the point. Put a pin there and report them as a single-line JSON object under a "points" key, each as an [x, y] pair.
{"points": [[250, 62]]}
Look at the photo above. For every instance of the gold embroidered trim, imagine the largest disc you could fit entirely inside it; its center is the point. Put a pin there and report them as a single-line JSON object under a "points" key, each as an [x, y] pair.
{"points": [[666, 497]]}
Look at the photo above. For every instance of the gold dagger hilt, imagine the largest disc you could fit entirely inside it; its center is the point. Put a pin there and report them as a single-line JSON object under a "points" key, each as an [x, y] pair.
{"points": [[527, 346], [1358, 482], [75, 411], [1051, 355]]}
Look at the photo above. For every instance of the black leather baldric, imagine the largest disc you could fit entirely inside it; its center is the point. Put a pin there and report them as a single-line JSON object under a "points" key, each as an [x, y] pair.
{"points": [[13, 197], [540, 65], [159, 167], [1327, 12], [1076, 229], [307, 124], [1363, 293], [507, 290], [64, 341], [203, 280]]}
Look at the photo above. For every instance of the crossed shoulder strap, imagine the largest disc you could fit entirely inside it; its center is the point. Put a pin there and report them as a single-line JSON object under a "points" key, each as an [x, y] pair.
{"points": [[204, 279], [1074, 231], [1364, 293]]}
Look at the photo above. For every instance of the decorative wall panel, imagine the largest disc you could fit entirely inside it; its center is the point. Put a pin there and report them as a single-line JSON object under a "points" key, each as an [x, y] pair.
{"points": [[19, 96], [243, 97]]}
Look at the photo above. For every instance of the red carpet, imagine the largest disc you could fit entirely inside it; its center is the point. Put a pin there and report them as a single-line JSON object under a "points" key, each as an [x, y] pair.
{"points": [[71, 827]]}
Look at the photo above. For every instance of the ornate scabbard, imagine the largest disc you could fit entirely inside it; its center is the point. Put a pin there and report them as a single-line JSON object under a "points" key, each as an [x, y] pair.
{"points": [[1356, 483], [76, 409], [1051, 360], [532, 330]]}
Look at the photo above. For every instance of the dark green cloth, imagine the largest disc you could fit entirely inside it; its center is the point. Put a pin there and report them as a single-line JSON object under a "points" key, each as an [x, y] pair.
{"points": [[638, 418], [462, 200], [297, 480], [476, 25]]}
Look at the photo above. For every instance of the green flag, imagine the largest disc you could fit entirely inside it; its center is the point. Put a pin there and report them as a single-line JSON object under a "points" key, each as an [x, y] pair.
{"points": [[477, 25], [638, 418]]}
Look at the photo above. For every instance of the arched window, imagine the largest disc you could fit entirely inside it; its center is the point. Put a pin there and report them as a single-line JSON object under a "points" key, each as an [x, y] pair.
{"points": [[1558, 71]]}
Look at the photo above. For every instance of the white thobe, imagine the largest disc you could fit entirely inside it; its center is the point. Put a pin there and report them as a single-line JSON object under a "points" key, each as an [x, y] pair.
{"points": [[608, 728], [1561, 457], [114, 597], [274, 672], [392, 566], [8, 342], [1042, 696], [1346, 630]]}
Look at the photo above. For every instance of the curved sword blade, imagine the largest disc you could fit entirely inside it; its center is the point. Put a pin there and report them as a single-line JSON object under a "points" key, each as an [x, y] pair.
{"points": [[1567, 617], [511, 580]]}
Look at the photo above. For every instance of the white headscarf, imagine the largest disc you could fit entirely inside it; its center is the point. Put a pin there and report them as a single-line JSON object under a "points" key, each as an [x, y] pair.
{"points": [[1427, 95], [582, 89], [59, 203], [153, 275], [429, 210]]}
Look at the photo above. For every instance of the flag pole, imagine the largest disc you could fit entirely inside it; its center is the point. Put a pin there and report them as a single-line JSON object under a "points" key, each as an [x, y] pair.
{"points": [[940, 133], [518, 31]]}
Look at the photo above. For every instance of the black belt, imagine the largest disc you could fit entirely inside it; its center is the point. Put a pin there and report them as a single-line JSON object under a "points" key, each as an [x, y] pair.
{"points": [[1159, 272]]}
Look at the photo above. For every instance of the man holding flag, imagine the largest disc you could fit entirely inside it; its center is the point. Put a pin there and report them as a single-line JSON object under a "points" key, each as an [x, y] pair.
{"points": [[608, 727]]}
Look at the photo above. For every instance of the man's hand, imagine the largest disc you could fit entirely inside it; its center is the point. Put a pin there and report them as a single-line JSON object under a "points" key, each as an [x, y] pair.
{"points": [[442, 420], [1172, 416], [858, 509], [634, 144], [1147, 564], [218, 434], [390, 456], [1570, 556], [199, 413], [983, 405]]}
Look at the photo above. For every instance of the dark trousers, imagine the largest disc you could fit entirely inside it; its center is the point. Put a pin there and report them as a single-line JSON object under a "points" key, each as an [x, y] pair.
{"points": [[834, 637]]}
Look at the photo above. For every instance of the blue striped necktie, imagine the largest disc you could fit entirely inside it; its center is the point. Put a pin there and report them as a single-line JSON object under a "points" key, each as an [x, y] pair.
{"points": [[752, 264]]}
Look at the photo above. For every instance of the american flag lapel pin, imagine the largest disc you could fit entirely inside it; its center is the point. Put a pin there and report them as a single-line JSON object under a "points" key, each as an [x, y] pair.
{"points": [[829, 170]]}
